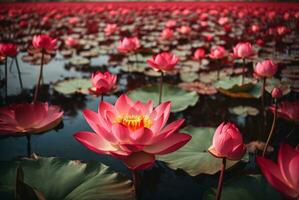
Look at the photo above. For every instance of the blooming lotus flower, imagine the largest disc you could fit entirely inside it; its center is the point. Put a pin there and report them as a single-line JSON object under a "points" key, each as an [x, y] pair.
{"points": [[110, 29], [287, 110], [167, 34], [199, 54], [163, 62], [217, 52], [132, 132], [171, 24], [128, 45], [71, 42], [185, 30], [283, 176], [265, 68], [44, 42], [73, 20], [282, 30], [222, 21], [102, 82], [227, 142], [8, 50], [29, 118], [243, 50], [255, 28]]}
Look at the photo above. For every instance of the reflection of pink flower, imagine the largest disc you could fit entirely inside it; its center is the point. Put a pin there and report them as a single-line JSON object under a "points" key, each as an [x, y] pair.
{"points": [[265, 68], [164, 61], [287, 110], [28, 118], [102, 82], [128, 45], [199, 54], [283, 176], [132, 132], [217, 52], [243, 50], [110, 29], [8, 50], [167, 34], [227, 142], [43, 42]]}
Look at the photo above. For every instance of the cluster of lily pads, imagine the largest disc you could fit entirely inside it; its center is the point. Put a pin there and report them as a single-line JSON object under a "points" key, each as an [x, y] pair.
{"points": [[159, 64]]}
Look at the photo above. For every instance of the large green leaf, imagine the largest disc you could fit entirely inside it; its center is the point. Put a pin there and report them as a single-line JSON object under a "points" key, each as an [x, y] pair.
{"points": [[231, 86], [59, 179], [73, 85], [245, 188], [194, 157], [179, 98]]}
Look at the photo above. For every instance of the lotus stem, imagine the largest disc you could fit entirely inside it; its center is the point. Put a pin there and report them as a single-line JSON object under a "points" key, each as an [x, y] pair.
{"points": [[39, 78], [136, 183], [263, 104], [28, 145], [6, 77], [10, 66], [220, 182], [161, 88], [19, 73], [102, 97], [272, 128], [243, 71], [136, 60], [218, 69]]}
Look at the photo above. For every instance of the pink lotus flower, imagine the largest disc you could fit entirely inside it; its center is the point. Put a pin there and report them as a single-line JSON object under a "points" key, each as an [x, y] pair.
{"points": [[28, 118], [282, 30], [171, 24], [44, 42], [265, 68], [73, 20], [167, 34], [287, 110], [199, 54], [217, 52], [255, 28], [102, 82], [71, 42], [227, 142], [243, 50], [222, 21], [110, 29], [128, 45], [283, 176], [8, 50], [132, 132], [276, 93], [185, 30], [164, 61]]}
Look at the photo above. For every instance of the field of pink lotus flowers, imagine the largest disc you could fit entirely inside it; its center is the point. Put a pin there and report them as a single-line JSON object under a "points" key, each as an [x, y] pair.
{"points": [[136, 100]]}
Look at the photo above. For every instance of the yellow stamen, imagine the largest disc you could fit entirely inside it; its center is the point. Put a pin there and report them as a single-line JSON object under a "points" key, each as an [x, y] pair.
{"points": [[135, 122]]}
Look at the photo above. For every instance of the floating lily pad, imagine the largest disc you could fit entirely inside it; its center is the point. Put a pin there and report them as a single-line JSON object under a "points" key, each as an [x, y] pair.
{"points": [[194, 157], [199, 87], [180, 98], [244, 111], [250, 187], [188, 76], [73, 85], [231, 86], [58, 178], [78, 61]]}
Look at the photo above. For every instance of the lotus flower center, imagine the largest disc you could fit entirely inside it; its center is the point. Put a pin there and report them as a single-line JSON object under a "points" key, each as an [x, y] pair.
{"points": [[135, 122]]}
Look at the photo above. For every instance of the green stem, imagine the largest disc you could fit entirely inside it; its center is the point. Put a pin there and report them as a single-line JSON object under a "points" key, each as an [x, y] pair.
{"points": [[102, 97], [272, 128], [136, 183], [19, 73], [39, 78], [161, 88], [220, 182], [28, 145], [263, 104]]}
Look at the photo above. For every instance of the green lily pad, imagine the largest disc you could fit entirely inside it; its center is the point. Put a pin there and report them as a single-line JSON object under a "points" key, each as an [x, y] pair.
{"points": [[188, 76], [244, 110], [180, 98], [246, 187], [231, 86], [78, 61], [73, 85], [194, 157], [58, 178]]}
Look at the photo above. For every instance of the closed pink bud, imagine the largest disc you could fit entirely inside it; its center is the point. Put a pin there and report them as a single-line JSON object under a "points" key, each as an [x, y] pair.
{"points": [[276, 93], [199, 54], [217, 52], [243, 50], [265, 68], [164, 61], [8, 50], [227, 142]]}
